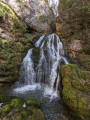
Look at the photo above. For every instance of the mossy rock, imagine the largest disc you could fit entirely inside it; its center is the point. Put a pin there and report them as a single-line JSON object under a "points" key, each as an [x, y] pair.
{"points": [[76, 88], [34, 103], [6, 108], [17, 102], [37, 115], [14, 47], [5, 98], [24, 113], [15, 109], [19, 118], [85, 61]]}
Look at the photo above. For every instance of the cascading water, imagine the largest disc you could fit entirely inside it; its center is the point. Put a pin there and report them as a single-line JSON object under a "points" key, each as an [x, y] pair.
{"points": [[40, 76], [54, 5], [42, 64]]}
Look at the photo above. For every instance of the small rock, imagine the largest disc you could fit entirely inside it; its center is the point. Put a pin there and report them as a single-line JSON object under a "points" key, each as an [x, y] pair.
{"points": [[24, 105], [10, 114]]}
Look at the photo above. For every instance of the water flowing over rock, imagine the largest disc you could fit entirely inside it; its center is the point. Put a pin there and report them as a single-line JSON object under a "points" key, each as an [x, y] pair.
{"points": [[42, 63], [54, 5]]}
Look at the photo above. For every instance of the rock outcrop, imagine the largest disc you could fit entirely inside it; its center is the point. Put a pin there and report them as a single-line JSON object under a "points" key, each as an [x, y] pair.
{"points": [[36, 13], [72, 26], [14, 41], [76, 89]]}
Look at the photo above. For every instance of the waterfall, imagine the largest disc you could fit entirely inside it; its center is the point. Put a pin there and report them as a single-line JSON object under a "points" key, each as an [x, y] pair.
{"points": [[54, 5], [42, 64]]}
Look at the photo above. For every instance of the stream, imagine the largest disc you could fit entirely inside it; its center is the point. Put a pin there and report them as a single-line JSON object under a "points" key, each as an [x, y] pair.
{"points": [[40, 77]]}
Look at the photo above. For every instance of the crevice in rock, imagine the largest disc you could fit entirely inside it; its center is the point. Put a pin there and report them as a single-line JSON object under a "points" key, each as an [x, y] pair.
{"points": [[30, 30]]}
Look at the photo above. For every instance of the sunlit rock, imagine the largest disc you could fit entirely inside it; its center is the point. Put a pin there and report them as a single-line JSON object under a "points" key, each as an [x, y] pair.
{"points": [[36, 13]]}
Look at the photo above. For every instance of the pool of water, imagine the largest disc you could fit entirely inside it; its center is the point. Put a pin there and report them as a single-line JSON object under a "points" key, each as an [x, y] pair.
{"points": [[51, 104]]}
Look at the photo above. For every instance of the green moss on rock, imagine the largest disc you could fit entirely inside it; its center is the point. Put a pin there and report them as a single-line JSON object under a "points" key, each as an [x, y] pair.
{"points": [[5, 98], [76, 88], [85, 61], [13, 47], [17, 102], [6, 108], [34, 103], [24, 113], [37, 115], [19, 118], [15, 108]]}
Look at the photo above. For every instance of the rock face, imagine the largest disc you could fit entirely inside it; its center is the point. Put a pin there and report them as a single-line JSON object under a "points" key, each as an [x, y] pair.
{"points": [[72, 26], [76, 46], [19, 109], [13, 43], [76, 89], [36, 13]]}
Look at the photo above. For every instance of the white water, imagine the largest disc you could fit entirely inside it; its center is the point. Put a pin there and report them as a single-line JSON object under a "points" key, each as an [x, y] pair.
{"points": [[54, 5], [1, 105], [43, 70]]}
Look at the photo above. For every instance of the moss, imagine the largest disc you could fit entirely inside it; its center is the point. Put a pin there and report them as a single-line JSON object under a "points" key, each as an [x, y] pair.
{"points": [[85, 61], [5, 98], [76, 89], [15, 108], [37, 115], [82, 106], [74, 21], [24, 113], [17, 102], [69, 98], [19, 118], [74, 76], [34, 103], [5, 110], [12, 49], [12, 19], [29, 37]]}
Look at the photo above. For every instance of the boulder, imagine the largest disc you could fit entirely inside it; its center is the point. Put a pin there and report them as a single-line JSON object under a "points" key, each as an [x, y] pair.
{"points": [[36, 13], [76, 89], [76, 46], [19, 109]]}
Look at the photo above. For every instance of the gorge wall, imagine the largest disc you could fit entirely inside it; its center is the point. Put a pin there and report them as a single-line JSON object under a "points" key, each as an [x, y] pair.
{"points": [[72, 26], [23, 21]]}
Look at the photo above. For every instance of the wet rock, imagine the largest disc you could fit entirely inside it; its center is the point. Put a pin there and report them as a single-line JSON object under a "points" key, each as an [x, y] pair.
{"points": [[76, 88]]}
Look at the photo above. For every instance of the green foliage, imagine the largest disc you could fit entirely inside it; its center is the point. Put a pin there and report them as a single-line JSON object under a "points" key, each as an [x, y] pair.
{"points": [[85, 61], [29, 37], [13, 48], [75, 15]]}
